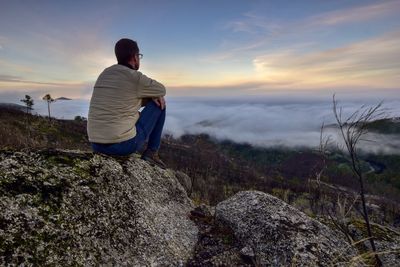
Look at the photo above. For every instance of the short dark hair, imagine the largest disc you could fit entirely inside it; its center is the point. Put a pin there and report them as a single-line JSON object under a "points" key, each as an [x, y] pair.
{"points": [[125, 49]]}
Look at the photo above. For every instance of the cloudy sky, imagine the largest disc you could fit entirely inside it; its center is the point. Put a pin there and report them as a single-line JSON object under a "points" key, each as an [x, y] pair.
{"points": [[204, 48]]}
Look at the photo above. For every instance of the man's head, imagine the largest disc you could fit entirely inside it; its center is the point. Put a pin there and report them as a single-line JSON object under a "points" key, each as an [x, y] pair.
{"points": [[127, 52]]}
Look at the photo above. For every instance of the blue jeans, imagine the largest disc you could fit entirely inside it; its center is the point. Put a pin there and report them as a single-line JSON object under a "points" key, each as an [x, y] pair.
{"points": [[148, 127]]}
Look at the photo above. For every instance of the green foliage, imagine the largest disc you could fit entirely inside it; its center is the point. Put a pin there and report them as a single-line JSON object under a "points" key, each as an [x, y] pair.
{"points": [[40, 133], [284, 194], [380, 232], [28, 102], [260, 156], [384, 126], [228, 191], [343, 168], [80, 118], [302, 203], [48, 98]]}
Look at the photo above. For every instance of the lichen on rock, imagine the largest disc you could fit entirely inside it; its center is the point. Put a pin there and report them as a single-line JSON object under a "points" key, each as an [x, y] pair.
{"points": [[75, 208], [71, 208], [276, 234]]}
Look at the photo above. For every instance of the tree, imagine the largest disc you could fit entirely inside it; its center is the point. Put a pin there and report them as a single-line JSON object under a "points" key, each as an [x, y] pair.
{"points": [[80, 119], [28, 102], [352, 130], [49, 100]]}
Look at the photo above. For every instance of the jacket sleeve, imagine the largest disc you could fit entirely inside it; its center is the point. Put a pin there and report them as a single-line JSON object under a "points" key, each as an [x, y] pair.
{"points": [[148, 87]]}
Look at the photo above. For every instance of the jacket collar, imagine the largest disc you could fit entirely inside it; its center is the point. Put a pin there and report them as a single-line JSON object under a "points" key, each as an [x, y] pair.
{"points": [[126, 65]]}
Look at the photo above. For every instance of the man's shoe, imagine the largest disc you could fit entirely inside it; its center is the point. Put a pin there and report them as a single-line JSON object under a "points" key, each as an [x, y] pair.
{"points": [[153, 158]]}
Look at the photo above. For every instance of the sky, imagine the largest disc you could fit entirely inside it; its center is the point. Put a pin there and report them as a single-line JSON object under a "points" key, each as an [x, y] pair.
{"points": [[204, 48]]}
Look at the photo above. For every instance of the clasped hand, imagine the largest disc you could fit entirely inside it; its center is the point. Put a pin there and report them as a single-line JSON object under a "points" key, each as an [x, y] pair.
{"points": [[160, 101]]}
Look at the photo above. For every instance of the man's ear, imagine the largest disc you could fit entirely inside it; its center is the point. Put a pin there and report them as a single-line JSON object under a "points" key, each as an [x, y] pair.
{"points": [[135, 62], [133, 59]]}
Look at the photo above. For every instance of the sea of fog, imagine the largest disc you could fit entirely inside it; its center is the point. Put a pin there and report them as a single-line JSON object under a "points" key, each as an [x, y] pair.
{"points": [[259, 121]]}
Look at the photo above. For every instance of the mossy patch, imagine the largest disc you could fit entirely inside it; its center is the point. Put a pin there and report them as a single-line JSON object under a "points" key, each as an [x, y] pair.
{"points": [[61, 159], [379, 232], [35, 244], [82, 168]]}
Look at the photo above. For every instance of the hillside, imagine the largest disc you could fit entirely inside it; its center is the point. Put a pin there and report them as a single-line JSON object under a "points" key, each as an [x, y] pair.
{"points": [[220, 169], [210, 172], [73, 208], [385, 126], [20, 130]]}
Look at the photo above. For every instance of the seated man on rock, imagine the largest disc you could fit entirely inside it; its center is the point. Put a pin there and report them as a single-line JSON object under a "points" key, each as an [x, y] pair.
{"points": [[115, 126]]}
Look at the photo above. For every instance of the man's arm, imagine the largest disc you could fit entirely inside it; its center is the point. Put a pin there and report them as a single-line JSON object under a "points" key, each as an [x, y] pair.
{"points": [[145, 101], [149, 88], [160, 101]]}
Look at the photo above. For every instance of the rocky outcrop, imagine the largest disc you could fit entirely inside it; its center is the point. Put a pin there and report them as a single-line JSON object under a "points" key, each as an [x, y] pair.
{"points": [[273, 233], [70, 208]]}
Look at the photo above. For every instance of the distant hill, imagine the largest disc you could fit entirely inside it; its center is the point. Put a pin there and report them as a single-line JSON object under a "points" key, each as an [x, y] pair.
{"points": [[13, 106], [385, 126], [382, 126], [63, 98]]}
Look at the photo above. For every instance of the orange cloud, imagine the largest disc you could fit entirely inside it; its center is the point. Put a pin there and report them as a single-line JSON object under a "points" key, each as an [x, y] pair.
{"points": [[374, 62]]}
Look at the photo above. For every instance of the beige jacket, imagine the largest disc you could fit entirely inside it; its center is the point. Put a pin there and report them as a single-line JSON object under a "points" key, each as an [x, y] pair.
{"points": [[115, 102]]}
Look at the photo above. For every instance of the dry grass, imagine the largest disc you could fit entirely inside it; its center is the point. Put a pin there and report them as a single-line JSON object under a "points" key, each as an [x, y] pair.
{"points": [[19, 130]]}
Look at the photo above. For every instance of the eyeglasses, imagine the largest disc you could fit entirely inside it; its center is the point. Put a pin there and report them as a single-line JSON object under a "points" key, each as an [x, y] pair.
{"points": [[140, 56]]}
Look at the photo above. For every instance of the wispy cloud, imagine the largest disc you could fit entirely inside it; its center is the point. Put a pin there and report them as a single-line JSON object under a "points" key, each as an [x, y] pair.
{"points": [[252, 24], [259, 32], [81, 53], [308, 52], [2, 41], [258, 52], [357, 14], [58, 50], [232, 89], [374, 62], [18, 79], [61, 66], [13, 91]]}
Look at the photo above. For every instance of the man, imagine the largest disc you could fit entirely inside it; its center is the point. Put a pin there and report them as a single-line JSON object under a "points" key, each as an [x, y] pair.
{"points": [[115, 126]]}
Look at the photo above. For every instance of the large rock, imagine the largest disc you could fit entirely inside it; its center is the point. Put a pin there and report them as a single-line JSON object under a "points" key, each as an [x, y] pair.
{"points": [[273, 233], [70, 208]]}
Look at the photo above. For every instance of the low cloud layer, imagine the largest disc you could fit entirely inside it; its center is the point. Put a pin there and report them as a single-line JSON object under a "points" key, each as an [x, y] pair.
{"points": [[269, 123], [266, 122]]}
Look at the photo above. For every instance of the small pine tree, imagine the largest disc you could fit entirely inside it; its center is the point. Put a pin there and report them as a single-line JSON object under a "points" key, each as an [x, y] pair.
{"points": [[28, 100], [49, 100], [80, 118]]}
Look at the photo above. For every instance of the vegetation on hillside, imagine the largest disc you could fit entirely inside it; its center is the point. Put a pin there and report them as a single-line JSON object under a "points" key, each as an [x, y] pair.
{"points": [[385, 126], [220, 169], [20, 130]]}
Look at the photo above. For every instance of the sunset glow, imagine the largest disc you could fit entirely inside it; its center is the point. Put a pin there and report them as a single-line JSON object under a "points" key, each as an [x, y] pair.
{"points": [[203, 48]]}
